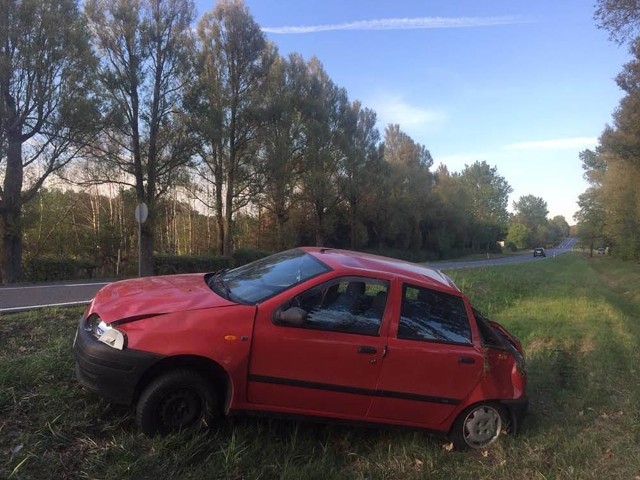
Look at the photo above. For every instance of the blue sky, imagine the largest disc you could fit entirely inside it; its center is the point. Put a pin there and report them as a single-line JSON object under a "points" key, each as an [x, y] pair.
{"points": [[523, 85]]}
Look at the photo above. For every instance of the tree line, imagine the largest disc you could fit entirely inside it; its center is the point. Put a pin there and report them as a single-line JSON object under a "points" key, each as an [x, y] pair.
{"points": [[609, 214], [229, 143]]}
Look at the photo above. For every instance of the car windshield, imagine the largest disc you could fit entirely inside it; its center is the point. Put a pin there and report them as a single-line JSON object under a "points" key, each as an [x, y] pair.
{"points": [[264, 278]]}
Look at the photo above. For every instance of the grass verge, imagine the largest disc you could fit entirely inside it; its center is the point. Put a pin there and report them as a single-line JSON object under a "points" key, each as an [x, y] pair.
{"points": [[578, 320]]}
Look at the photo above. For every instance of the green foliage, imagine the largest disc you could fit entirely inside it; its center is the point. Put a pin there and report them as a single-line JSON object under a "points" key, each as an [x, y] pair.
{"points": [[230, 144], [164, 264], [610, 208], [487, 194], [47, 110], [243, 256], [46, 269], [518, 235], [621, 18], [145, 51], [172, 264], [233, 61], [531, 212]]}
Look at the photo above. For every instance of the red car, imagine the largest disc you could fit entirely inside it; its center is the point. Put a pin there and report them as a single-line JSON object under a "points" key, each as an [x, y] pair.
{"points": [[307, 332]]}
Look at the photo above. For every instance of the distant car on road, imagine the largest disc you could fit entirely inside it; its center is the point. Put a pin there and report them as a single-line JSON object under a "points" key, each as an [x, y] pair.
{"points": [[601, 250], [307, 332], [539, 252]]}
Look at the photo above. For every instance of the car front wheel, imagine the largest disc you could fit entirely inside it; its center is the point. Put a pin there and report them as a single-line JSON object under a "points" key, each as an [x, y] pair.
{"points": [[176, 400], [479, 426]]}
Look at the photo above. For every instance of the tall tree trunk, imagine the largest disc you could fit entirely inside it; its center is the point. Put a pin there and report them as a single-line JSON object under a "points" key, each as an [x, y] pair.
{"points": [[228, 223], [352, 223], [231, 177], [12, 244], [10, 208], [146, 239], [319, 225], [219, 183]]}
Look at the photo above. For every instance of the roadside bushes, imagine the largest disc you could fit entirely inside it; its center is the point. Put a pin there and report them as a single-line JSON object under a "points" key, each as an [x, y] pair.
{"points": [[172, 264], [242, 256], [48, 269]]}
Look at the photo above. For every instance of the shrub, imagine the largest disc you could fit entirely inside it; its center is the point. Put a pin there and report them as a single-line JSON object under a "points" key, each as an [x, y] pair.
{"points": [[47, 269], [172, 264], [242, 256]]}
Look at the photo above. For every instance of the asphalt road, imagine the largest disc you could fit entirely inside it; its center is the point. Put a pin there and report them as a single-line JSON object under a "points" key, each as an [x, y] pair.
{"points": [[564, 247], [27, 297]]}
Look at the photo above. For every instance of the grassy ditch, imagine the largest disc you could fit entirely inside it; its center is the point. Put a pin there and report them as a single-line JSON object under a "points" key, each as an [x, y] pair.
{"points": [[578, 319]]}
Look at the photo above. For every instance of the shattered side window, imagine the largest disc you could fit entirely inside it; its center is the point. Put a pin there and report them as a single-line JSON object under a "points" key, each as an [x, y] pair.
{"points": [[429, 315]]}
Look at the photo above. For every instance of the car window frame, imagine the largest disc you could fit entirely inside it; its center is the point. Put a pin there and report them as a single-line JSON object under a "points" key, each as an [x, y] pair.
{"points": [[211, 279], [461, 298], [328, 284]]}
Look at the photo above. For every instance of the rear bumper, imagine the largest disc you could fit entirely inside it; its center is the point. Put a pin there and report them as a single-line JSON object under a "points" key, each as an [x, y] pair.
{"points": [[111, 373], [518, 410]]}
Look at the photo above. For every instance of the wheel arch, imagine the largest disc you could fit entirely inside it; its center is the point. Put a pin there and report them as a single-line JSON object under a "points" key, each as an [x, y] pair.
{"points": [[211, 370]]}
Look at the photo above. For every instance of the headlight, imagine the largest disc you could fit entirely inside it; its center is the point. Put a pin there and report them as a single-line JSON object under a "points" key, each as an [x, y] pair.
{"points": [[104, 333]]}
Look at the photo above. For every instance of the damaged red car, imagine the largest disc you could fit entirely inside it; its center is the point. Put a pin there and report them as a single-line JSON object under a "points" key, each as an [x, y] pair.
{"points": [[310, 332]]}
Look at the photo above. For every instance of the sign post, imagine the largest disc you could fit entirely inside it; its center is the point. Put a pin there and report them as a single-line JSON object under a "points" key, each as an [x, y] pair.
{"points": [[142, 212]]}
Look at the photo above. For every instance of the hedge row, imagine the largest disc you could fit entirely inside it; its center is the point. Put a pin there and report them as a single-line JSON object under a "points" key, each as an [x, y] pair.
{"points": [[171, 264], [47, 269]]}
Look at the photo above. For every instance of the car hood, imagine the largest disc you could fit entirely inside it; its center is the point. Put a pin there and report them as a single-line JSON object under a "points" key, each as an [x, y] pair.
{"points": [[143, 297]]}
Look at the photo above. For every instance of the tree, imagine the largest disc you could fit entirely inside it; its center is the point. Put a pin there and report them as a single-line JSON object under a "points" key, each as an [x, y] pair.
{"points": [[404, 192], [531, 211], [621, 18], [361, 152], [281, 141], [559, 228], [488, 196], [452, 218], [400, 149], [233, 69], [590, 218], [144, 47], [45, 107], [518, 235], [324, 103]]}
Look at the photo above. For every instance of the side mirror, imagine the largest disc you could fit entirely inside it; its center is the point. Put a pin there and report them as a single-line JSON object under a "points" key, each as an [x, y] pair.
{"points": [[294, 317]]}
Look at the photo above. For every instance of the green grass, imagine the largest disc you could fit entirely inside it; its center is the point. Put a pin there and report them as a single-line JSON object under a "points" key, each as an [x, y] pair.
{"points": [[579, 322]]}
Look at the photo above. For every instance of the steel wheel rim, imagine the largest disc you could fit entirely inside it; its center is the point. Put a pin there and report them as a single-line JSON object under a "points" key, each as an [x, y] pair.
{"points": [[180, 408], [482, 426]]}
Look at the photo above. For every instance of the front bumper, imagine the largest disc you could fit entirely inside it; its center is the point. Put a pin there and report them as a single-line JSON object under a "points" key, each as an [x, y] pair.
{"points": [[111, 373]]}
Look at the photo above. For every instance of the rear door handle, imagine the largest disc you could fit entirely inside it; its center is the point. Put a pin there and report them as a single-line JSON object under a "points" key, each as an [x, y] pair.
{"points": [[367, 349], [466, 360]]}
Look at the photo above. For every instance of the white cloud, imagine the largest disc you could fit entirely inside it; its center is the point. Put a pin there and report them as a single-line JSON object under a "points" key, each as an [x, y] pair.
{"points": [[397, 110], [554, 144], [403, 24]]}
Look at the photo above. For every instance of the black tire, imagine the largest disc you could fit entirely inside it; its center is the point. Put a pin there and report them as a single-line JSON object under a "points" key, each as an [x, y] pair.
{"points": [[176, 400], [479, 426]]}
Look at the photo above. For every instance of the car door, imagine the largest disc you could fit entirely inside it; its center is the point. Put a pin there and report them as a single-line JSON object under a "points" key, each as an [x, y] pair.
{"points": [[327, 362], [431, 364]]}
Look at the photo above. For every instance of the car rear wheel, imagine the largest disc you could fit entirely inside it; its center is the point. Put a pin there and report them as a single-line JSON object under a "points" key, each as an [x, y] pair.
{"points": [[176, 400], [479, 426]]}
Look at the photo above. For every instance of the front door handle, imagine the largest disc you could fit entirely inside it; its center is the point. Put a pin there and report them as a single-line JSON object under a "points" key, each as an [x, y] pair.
{"points": [[367, 349], [466, 360]]}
